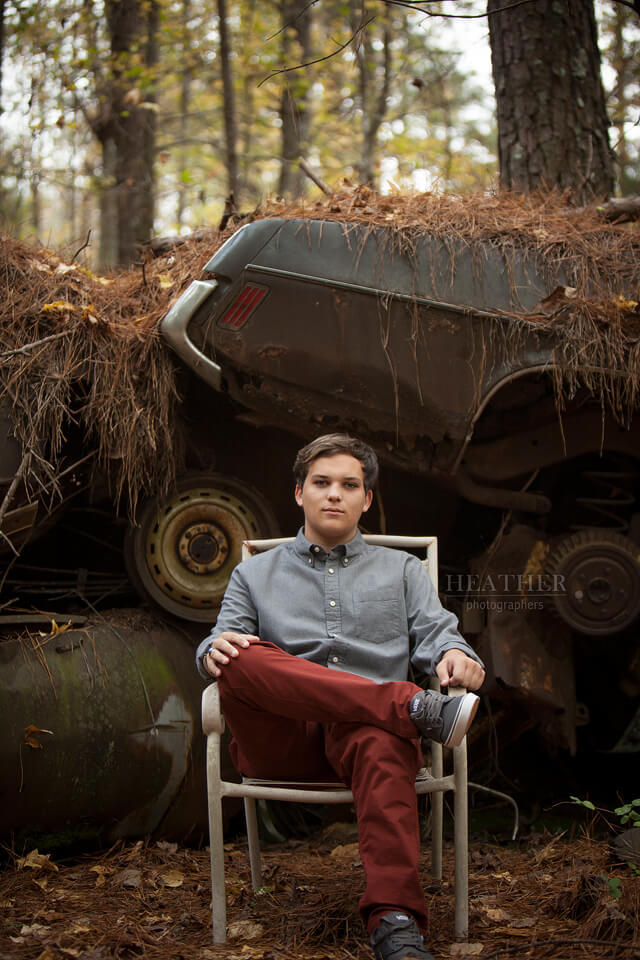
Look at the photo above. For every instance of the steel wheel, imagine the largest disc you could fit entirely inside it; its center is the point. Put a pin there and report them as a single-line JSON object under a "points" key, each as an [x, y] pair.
{"points": [[181, 554], [599, 575]]}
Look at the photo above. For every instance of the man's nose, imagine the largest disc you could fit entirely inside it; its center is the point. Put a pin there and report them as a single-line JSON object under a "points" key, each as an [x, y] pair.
{"points": [[334, 492]]}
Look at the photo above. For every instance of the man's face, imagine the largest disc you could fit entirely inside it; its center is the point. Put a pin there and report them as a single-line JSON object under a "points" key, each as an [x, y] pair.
{"points": [[333, 498]]}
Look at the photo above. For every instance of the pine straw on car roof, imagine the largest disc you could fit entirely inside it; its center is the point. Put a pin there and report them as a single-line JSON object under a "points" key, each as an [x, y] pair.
{"points": [[100, 364], [545, 898]]}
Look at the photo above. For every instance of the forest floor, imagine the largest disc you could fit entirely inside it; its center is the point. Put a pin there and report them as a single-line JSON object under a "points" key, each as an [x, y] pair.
{"points": [[544, 896]]}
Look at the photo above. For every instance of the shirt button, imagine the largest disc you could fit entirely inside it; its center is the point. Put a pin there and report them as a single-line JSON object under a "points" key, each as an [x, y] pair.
{"points": [[330, 569], [316, 549], [310, 559], [346, 561], [332, 603], [335, 659]]}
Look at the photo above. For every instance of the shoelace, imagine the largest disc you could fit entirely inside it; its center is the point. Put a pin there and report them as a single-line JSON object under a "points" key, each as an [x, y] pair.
{"points": [[404, 937], [430, 707]]}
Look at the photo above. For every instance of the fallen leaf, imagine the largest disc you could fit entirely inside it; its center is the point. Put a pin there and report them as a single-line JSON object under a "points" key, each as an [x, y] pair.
{"points": [[245, 930], [34, 930], [35, 860], [503, 875], [64, 268], [496, 913], [172, 878], [102, 871], [58, 306], [31, 735], [466, 949], [50, 915], [42, 882], [163, 845], [71, 952], [47, 954], [80, 928], [346, 850], [165, 281], [131, 877], [625, 304]]}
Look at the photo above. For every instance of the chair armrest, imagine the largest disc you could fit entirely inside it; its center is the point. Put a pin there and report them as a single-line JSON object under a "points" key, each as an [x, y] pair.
{"points": [[212, 719]]}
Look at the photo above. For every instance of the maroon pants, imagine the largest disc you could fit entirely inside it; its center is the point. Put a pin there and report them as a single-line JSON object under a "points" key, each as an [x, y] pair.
{"points": [[293, 719]]}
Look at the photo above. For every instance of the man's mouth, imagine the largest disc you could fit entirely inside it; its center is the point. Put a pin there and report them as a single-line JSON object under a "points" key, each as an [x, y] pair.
{"points": [[333, 510]]}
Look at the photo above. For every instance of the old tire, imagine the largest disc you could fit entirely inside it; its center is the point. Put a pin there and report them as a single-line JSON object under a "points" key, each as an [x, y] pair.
{"points": [[182, 551], [597, 578]]}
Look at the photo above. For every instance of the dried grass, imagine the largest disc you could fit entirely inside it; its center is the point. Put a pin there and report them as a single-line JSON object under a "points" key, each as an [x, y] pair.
{"points": [[101, 371], [546, 898]]}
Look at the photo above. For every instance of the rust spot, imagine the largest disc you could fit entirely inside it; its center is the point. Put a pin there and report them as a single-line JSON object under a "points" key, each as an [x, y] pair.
{"points": [[272, 352]]}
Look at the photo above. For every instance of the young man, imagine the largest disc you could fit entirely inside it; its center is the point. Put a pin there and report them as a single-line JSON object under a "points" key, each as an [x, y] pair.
{"points": [[311, 652]]}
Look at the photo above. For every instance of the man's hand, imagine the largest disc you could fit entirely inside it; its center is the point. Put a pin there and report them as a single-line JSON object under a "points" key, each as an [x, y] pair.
{"points": [[456, 669], [223, 649]]}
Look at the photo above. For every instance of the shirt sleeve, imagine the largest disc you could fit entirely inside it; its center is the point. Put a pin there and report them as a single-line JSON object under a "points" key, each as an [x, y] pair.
{"points": [[237, 613], [432, 629]]}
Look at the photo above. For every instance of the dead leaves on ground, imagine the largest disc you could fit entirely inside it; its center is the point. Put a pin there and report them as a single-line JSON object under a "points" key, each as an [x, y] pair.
{"points": [[153, 901]]}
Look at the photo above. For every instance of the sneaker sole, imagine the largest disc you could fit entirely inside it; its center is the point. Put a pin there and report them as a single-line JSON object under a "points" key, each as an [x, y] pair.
{"points": [[464, 718]]}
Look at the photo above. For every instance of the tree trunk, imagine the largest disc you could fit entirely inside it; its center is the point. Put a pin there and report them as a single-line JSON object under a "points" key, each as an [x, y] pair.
{"points": [[126, 129], [229, 100], [374, 86], [294, 104], [2, 8], [552, 121], [185, 103]]}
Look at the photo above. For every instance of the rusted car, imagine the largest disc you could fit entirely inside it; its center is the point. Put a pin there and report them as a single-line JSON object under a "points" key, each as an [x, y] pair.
{"points": [[426, 349], [434, 350]]}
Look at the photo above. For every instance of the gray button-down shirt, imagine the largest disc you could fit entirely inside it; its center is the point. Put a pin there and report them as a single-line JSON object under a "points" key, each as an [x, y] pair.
{"points": [[359, 608]]}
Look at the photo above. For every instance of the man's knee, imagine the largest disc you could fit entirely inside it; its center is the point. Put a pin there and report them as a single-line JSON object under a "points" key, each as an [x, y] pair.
{"points": [[354, 745]]}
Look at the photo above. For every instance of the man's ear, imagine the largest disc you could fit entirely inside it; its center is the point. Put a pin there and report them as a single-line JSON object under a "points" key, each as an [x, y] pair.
{"points": [[298, 494], [367, 500]]}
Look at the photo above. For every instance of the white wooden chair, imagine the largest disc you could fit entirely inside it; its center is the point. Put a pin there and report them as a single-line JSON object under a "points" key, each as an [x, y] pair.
{"points": [[430, 781]]}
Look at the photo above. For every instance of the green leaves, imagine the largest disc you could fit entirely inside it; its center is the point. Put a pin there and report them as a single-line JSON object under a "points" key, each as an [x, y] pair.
{"points": [[629, 813]]}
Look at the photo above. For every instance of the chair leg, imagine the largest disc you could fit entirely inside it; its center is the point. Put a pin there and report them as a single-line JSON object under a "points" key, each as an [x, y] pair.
{"points": [[216, 840], [461, 842], [437, 813], [253, 839]]}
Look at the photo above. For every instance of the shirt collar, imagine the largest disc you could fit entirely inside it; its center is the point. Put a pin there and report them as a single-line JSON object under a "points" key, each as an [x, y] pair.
{"points": [[304, 547]]}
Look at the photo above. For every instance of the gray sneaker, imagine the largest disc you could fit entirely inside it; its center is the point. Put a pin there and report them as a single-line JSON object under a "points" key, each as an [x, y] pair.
{"points": [[442, 718], [398, 938]]}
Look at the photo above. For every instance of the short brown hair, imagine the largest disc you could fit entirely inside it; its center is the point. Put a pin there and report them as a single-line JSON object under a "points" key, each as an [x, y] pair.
{"points": [[331, 444]]}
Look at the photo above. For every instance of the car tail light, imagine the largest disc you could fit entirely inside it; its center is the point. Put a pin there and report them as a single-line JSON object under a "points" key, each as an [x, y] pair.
{"points": [[243, 306]]}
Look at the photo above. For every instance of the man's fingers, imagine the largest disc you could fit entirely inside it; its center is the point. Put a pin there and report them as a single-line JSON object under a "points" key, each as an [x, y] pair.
{"points": [[443, 673], [223, 648], [459, 670]]}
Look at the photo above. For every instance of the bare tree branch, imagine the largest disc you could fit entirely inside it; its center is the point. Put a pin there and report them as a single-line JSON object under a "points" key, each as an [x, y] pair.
{"points": [[310, 63]]}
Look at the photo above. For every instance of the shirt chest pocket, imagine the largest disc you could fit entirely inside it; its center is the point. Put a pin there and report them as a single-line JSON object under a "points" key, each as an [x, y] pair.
{"points": [[378, 615]]}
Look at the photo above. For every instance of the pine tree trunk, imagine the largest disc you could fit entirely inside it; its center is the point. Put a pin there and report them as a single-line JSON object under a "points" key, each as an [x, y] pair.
{"points": [[294, 105], [2, 8], [229, 108], [552, 121], [126, 129]]}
